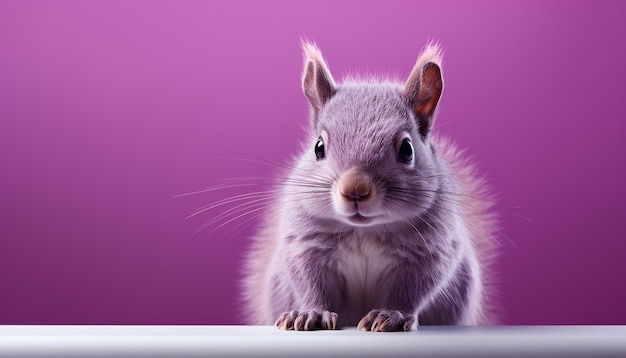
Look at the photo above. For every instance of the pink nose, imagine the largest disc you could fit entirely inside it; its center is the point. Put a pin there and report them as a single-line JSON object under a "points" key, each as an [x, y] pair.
{"points": [[354, 185]]}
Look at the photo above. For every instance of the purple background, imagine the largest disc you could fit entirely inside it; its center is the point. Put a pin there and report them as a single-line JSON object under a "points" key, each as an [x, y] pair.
{"points": [[108, 109]]}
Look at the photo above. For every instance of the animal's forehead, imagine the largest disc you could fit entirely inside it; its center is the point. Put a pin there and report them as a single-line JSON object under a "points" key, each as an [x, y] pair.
{"points": [[367, 110]]}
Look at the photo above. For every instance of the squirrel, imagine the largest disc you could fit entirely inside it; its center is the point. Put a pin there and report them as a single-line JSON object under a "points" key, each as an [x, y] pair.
{"points": [[379, 223]]}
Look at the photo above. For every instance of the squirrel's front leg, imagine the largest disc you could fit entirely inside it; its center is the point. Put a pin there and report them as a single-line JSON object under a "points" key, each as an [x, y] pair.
{"points": [[315, 288]]}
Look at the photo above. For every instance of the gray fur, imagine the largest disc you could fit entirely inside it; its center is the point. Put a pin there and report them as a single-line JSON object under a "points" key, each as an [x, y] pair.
{"points": [[418, 258]]}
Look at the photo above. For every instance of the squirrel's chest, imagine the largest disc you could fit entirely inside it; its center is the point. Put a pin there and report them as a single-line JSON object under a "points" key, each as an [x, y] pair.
{"points": [[364, 264]]}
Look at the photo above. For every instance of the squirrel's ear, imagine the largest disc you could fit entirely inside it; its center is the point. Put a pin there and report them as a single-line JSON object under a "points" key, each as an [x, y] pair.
{"points": [[317, 83], [424, 87]]}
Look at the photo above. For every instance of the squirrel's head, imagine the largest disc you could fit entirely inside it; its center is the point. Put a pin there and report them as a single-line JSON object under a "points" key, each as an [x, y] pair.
{"points": [[370, 142]]}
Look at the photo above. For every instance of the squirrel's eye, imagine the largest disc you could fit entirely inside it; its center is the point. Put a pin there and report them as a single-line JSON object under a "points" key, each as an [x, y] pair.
{"points": [[320, 153], [405, 154]]}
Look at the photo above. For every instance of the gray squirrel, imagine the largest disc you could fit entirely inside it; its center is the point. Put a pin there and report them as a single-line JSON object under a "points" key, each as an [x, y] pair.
{"points": [[379, 224]]}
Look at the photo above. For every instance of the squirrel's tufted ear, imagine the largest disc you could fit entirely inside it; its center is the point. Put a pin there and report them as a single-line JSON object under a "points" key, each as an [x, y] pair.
{"points": [[317, 83], [424, 87]]}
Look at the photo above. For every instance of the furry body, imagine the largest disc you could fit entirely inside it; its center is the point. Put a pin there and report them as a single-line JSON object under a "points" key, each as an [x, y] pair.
{"points": [[387, 228]]}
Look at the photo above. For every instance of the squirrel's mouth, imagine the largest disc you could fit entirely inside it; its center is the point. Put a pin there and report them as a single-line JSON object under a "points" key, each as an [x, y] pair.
{"points": [[360, 220]]}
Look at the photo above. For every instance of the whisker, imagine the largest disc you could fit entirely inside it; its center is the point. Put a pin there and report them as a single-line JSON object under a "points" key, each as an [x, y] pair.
{"points": [[423, 238], [226, 219], [237, 217], [289, 167], [247, 222], [521, 216], [240, 208], [213, 188], [230, 200], [491, 239], [430, 226]]}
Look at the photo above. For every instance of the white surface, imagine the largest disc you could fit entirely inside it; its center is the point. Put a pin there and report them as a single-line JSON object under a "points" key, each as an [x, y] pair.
{"points": [[266, 341]]}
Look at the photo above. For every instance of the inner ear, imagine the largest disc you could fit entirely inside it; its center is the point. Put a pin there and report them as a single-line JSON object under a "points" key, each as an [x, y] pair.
{"points": [[425, 103], [424, 87], [317, 83]]}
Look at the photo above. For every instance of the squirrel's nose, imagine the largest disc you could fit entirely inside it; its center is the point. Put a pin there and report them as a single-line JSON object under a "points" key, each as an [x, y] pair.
{"points": [[354, 185], [356, 192]]}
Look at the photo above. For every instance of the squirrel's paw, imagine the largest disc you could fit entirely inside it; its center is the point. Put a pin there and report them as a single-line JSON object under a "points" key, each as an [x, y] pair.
{"points": [[384, 320], [310, 320]]}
